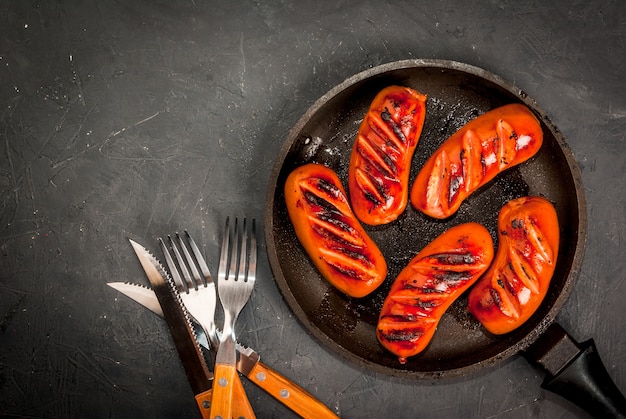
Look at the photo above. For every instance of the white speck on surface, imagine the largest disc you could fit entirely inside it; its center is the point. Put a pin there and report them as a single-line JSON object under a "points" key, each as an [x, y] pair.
{"points": [[524, 296], [523, 141], [490, 159]]}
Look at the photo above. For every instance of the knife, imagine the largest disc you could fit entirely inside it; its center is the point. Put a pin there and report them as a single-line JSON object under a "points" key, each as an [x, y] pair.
{"points": [[177, 319], [248, 363]]}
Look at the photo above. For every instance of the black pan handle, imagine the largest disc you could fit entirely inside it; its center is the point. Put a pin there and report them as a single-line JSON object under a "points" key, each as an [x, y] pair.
{"points": [[576, 372]]}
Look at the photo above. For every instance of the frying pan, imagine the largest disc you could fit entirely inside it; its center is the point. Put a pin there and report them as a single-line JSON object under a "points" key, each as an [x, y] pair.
{"points": [[457, 93]]}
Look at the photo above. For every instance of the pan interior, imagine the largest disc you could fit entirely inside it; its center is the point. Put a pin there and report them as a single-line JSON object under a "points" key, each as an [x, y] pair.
{"points": [[325, 134]]}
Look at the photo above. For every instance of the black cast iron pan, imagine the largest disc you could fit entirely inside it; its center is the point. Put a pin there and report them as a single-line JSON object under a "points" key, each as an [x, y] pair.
{"points": [[456, 93]]}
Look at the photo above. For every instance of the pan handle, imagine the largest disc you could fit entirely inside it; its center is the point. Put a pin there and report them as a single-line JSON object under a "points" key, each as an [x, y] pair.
{"points": [[576, 372]]}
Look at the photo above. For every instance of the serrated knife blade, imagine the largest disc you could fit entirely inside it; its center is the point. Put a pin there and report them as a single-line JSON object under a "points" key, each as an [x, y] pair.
{"points": [[143, 295], [146, 298], [178, 322]]}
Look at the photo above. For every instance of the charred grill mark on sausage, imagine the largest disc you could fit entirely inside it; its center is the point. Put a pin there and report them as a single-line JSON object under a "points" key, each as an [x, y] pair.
{"points": [[344, 249]]}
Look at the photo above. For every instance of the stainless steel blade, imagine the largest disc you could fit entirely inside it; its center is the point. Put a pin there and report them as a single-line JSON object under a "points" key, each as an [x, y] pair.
{"points": [[143, 295], [146, 297], [178, 321]]}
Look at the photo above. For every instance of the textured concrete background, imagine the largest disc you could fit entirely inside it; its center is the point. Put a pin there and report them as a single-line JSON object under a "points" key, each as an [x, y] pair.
{"points": [[137, 119]]}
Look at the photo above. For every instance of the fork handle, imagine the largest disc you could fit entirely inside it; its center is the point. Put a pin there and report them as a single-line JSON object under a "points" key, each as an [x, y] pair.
{"points": [[224, 376], [289, 393], [241, 404]]}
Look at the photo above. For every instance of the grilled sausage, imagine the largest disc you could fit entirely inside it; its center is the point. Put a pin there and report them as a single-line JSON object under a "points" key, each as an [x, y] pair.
{"points": [[517, 282], [330, 233], [474, 155], [380, 162], [429, 284]]}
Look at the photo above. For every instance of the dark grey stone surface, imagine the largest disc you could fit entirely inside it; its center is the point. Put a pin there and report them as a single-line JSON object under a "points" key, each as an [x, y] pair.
{"points": [[137, 119]]}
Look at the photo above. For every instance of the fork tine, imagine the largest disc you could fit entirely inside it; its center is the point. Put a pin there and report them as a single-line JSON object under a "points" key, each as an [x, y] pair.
{"points": [[172, 267], [183, 267], [243, 252], [207, 278], [232, 271], [222, 269], [253, 253], [190, 263]]}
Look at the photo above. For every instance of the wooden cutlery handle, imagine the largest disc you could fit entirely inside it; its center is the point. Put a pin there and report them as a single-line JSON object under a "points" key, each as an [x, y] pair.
{"points": [[204, 402], [289, 393], [223, 378], [241, 407], [241, 404]]}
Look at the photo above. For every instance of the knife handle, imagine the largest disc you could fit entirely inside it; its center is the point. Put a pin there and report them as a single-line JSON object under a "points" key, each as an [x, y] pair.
{"points": [[288, 393], [241, 405], [204, 402], [223, 377]]}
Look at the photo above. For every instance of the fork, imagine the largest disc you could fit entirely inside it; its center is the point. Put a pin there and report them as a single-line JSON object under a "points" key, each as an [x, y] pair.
{"points": [[197, 292], [235, 283], [199, 297]]}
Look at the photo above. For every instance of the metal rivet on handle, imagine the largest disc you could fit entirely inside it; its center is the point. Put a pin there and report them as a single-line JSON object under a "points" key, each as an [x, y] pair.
{"points": [[284, 393], [261, 376], [223, 382], [206, 404]]}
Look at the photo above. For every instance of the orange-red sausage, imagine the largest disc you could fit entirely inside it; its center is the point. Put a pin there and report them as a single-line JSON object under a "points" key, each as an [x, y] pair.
{"points": [[474, 155], [330, 233], [426, 287], [517, 282], [378, 177]]}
